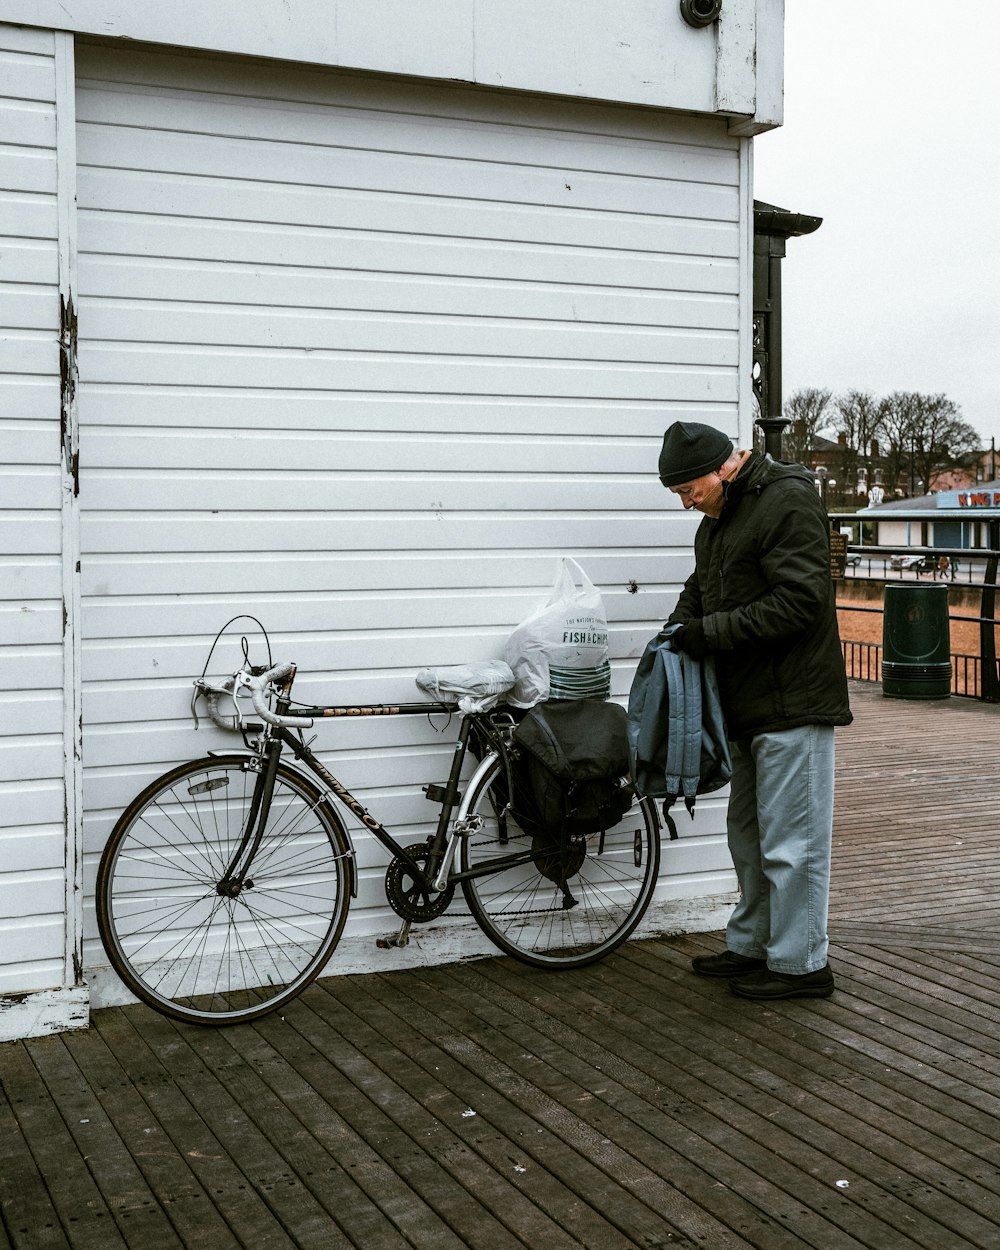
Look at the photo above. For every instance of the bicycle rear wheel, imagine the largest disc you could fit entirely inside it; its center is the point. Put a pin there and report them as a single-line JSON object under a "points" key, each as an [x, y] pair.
{"points": [[197, 954], [524, 909]]}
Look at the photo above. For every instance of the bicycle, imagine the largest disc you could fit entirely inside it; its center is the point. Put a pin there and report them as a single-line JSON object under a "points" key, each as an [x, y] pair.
{"points": [[226, 883]]}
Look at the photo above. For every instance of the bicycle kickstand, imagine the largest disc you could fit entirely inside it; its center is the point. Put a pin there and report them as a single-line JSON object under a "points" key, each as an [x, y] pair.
{"points": [[402, 938]]}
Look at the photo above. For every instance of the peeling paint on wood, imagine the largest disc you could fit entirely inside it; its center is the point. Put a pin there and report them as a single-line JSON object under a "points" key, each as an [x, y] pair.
{"points": [[43, 1013], [68, 377]]}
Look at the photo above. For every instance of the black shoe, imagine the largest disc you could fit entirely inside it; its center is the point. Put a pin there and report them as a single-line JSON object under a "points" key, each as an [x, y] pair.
{"points": [[726, 964], [767, 985]]}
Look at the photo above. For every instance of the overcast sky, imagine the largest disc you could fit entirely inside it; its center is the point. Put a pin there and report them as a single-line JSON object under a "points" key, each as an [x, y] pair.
{"points": [[890, 135]]}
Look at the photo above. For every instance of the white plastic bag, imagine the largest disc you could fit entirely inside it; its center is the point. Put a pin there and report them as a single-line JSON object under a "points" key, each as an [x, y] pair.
{"points": [[477, 686], [561, 650]]}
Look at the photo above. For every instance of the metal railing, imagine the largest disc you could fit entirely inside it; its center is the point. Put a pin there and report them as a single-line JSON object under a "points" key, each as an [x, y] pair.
{"points": [[973, 675], [863, 662]]}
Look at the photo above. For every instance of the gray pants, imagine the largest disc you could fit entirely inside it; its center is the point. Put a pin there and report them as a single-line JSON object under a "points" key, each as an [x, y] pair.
{"points": [[780, 824]]}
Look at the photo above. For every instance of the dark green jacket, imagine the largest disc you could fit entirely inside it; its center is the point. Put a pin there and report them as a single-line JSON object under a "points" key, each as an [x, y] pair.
{"points": [[763, 589]]}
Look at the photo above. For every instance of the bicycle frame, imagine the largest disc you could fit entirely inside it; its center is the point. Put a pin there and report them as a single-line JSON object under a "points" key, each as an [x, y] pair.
{"points": [[436, 874]]}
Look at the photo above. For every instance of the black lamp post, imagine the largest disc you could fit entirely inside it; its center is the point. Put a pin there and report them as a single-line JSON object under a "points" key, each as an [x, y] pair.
{"points": [[772, 227], [824, 482]]}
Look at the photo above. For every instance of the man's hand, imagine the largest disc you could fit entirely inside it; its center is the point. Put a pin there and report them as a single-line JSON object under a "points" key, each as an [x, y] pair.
{"points": [[690, 639]]}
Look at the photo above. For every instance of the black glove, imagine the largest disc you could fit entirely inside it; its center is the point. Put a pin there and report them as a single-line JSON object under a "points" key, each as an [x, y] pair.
{"points": [[690, 639]]}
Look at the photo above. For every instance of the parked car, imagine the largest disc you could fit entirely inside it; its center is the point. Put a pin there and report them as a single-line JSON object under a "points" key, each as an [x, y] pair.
{"points": [[914, 564]]}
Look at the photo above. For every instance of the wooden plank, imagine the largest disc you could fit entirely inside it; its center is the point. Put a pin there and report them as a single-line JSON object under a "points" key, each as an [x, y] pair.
{"points": [[545, 1077], [282, 460], [495, 1124], [357, 1187], [285, 160], [79, 1215], [916, 936], [29, 352], [28, 123], [346, 131], [440, 609], [257, 1196], [383, 372], [247, 409], [952, 1023], [139, 533], [26, 1206], [873, 1147], [125, 1202], [334, 572], [30, 256], [31, 893], [216, 241], [30, 668], [304, 86], [27, 76], [213, 284], [182, 1181], [32, 948], [337, 209], [30, 712], [31, 170], [766, 1126], [932, 872], [428, 1231], [382, 1112], [25, 39], [942, 1109], [30, 622], [522, 337], [30, 308], [32, 812], [35, 758]]}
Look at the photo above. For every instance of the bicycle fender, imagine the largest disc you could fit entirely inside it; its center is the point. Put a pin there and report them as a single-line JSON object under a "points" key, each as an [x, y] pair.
{"points": [[482, 769]]}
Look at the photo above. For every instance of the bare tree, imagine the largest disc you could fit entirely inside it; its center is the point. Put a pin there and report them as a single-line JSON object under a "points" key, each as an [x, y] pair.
{"points": [[897, 412], [924, 433], [942, 436], [857, 415], [806, 410]]}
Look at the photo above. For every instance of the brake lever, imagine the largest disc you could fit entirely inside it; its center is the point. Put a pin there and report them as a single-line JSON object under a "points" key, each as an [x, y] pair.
{"points": [[211, 694]]}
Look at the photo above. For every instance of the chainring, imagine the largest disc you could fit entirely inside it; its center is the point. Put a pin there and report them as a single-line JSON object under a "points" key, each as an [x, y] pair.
{"points": [[407, 897]]}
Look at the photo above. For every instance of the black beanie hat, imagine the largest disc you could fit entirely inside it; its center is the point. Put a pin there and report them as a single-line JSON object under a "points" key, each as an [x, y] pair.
{"points": [[691, 450]]}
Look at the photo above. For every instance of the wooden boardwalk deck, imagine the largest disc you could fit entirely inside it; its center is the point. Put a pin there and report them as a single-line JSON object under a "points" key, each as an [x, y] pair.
{"points": [[628, 1105]]}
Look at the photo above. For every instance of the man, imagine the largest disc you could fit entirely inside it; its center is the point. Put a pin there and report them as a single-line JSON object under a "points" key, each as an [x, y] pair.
{"points": [[761, 601]]}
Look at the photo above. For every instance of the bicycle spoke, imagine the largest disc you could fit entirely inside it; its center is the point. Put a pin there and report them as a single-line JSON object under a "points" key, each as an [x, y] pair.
{"points": [[193, 942], [562, 904]]}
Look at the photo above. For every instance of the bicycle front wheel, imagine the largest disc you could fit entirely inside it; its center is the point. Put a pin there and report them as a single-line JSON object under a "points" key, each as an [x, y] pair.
{"points": [[209, 955], [552, 905]]}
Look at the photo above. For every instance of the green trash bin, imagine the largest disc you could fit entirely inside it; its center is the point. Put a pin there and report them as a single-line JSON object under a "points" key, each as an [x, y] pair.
{"points": [[916, 643]]}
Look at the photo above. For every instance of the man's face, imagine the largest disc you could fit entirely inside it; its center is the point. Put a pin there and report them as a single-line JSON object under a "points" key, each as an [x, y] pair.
{"points": [[691, 494]]}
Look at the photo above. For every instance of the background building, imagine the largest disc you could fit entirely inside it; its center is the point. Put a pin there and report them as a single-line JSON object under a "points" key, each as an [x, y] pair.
{"points": [[949, 518]]}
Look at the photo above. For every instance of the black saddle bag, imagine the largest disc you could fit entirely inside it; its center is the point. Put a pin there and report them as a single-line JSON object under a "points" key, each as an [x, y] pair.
{"points": [[572, 759]]}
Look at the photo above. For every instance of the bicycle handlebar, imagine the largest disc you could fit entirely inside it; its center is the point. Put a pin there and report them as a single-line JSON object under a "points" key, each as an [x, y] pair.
{"points": [[255, 687]]}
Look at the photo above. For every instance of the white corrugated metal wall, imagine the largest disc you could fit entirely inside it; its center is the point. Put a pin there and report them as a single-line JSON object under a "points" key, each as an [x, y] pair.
{"points": [[37, 739], [361, 356]]}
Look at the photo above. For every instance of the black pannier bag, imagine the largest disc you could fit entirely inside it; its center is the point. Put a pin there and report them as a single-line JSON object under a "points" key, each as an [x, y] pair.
{"points": [[568, 777]]}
